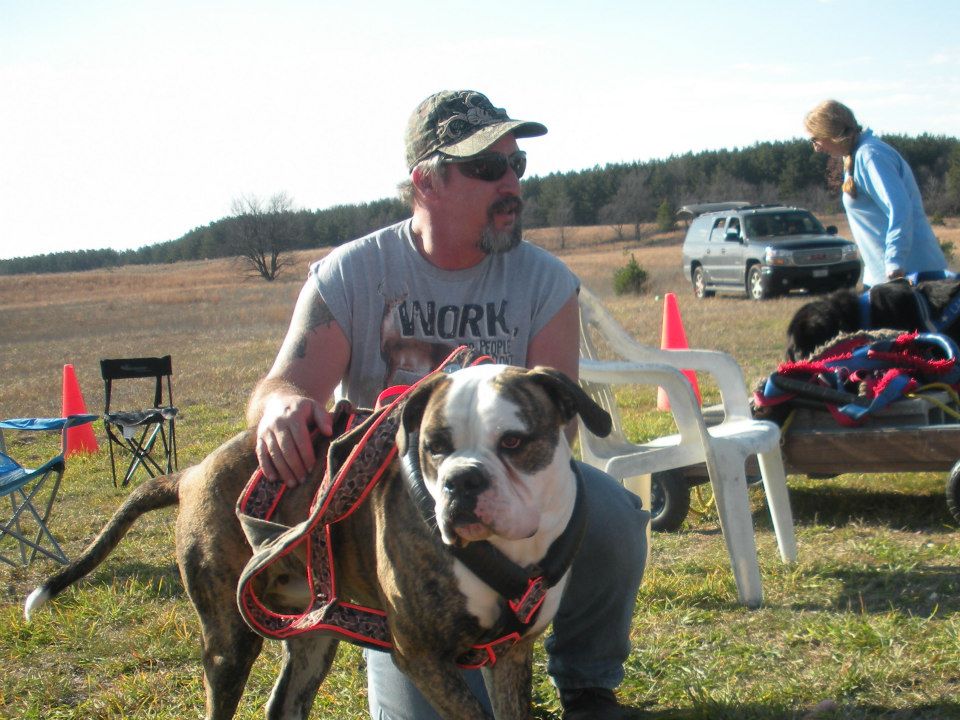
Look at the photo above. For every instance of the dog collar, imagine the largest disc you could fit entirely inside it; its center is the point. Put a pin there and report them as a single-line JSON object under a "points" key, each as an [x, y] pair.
{"points": [[523, 588]]}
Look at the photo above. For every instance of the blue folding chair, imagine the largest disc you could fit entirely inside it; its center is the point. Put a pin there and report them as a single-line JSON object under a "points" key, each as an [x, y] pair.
{"points": [[32, 493]]}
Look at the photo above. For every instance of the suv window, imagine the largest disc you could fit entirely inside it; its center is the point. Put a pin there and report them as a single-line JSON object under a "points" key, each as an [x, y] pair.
{"points": [[699, 230], [734, 225], [716, 234], [782, 223]]}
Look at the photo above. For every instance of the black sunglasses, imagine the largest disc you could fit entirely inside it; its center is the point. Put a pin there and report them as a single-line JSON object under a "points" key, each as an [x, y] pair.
{"points": [[490, 166]]}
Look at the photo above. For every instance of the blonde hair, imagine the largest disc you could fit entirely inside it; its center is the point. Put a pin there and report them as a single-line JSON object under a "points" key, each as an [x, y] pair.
{"points": [[834, 121]]}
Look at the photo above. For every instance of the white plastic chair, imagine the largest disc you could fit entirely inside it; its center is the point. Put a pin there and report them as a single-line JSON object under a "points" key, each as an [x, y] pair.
{"points": [[724, 448]]}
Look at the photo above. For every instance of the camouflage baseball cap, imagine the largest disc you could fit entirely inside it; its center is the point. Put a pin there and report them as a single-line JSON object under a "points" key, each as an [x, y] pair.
{"points": [[460, 123]]}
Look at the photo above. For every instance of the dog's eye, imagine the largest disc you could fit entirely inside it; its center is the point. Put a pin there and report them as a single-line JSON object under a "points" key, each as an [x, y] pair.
{"points": [[511, 442], [438, 447]]}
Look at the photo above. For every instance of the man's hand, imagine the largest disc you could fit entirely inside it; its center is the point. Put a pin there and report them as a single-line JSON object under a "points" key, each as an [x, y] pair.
{"points": [[289, 402], [284, 447]]}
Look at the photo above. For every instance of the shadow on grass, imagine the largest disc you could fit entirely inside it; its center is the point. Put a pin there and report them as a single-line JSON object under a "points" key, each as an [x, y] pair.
{"points": [[841, 506], [161, 582], [920, 591]]}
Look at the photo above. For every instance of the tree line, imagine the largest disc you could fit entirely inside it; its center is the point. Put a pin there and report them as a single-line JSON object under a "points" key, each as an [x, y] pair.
{"points": [[624, 195], [230, 236], [789, 172]]}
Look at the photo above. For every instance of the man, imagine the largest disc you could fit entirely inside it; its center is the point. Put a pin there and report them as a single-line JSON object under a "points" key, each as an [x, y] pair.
{"points": [[387, 308]]}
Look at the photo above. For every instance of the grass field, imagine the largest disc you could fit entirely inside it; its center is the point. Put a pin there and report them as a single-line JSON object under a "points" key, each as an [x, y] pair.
{"points": [[868, 618]]}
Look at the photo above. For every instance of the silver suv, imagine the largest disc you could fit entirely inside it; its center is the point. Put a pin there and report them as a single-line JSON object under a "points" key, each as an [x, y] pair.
{"points": [[766, 250]]}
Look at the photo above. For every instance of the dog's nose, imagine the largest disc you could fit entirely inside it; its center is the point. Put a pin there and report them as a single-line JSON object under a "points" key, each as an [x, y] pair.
{"points": [[466, 481]]}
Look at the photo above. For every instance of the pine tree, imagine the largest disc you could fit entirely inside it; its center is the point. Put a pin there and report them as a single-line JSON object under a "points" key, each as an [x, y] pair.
{"points": [[665, 216]]}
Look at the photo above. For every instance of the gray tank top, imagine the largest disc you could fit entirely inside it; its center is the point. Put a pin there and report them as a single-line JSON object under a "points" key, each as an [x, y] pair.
{"points": [[403, 316]]}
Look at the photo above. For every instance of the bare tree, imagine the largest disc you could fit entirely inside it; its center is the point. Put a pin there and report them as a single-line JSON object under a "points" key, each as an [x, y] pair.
{"points": [[561, 215], [263, 232], [532, 215], [632, 203], [611, 215]]}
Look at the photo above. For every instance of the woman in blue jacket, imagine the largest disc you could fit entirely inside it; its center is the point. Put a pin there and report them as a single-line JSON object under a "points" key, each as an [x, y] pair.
{"points": [[880, 196]]}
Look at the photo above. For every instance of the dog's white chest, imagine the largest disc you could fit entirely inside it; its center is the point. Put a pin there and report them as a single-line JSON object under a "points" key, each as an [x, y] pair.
{"points": [[486, 605]]}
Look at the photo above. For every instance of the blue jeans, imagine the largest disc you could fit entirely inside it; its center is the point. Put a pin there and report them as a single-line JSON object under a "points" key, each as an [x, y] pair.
{"points": [[590, 639]]}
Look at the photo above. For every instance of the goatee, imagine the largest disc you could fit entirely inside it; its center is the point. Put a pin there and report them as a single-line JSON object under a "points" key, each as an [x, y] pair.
{"points": [[493, 241]]}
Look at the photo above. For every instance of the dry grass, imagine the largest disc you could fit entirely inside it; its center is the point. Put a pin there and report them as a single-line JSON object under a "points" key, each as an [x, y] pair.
{"points": [[868, 617], [221, 329]]}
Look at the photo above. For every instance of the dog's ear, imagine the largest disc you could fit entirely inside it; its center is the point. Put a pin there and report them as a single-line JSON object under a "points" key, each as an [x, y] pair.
{"points": [[413, 408], [570, 398], [819, 321]]}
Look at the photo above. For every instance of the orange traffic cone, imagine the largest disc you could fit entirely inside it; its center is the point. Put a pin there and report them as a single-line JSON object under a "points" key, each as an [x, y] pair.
{"points": [[674, 338], [79, 438]]}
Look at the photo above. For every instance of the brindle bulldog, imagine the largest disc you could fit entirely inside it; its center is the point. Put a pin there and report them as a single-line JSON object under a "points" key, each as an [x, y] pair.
{"points": [[485, 455]]}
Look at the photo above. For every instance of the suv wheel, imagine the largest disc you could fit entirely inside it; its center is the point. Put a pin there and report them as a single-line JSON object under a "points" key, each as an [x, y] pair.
{"points": [[755, 283], [700, 284]]}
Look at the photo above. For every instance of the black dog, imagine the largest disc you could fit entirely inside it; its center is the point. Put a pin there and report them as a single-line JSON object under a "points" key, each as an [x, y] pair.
{"points": [[928, 306]]}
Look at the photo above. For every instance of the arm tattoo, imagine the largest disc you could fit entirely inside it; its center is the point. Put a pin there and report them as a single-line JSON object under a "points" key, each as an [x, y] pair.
{"points": [[317, 315]]}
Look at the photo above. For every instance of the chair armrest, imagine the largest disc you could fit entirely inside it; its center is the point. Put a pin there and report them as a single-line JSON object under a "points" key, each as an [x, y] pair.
{"points": [[683, 401], [722, 366], [33, 424], [725, 370], [60, 424]]}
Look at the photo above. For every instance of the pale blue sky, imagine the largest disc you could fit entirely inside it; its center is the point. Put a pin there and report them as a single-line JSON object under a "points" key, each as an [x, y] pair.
{"points": [[125, 123]]}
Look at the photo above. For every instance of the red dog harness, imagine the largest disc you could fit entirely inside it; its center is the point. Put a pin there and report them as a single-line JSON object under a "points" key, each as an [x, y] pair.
{"points": [[357, 459]]}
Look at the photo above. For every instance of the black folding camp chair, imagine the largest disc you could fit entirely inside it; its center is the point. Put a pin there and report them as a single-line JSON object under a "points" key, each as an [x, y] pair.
{"points": [[146, 437], [32, 492]]}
